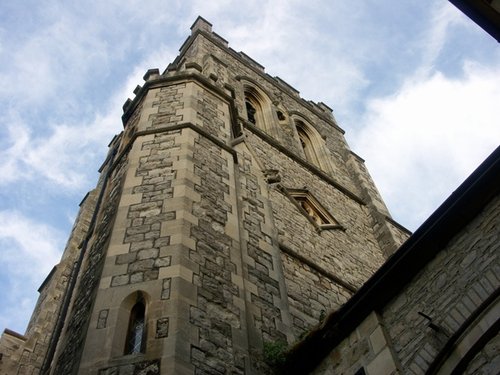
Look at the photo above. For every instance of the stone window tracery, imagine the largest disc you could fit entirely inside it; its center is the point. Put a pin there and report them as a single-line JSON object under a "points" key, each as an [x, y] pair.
{"points": [[306, 144], [313, 146], [258, 108]]}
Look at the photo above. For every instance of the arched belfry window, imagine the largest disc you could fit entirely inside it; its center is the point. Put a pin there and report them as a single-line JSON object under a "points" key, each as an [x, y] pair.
{"points": [[313, 146], [307, 144], [251, 111], [136, 334], [258, 108], [254, 108]]}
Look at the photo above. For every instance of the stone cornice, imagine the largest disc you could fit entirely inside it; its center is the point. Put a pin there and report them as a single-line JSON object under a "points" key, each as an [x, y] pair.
{"points": [[162, 81], [275, 82], [335, 279], [169, 128], [313, 169]]}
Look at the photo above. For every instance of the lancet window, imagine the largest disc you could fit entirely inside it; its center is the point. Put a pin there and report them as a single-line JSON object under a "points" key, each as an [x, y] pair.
{"points": [[136, 336], [306, 142], [258, 108], [254, 109], [251, 111]]}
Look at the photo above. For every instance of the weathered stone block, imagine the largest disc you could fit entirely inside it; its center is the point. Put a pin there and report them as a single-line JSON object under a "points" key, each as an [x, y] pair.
{"points": [[120, 280], [126, 258], [135, 246], [141, 265], [147, 254]]}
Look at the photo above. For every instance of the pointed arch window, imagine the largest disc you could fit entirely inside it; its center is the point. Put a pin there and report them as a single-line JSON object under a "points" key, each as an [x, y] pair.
{"points": [[136, 334], [254, 109], [307, 144], [258, 108], [251, 111]]}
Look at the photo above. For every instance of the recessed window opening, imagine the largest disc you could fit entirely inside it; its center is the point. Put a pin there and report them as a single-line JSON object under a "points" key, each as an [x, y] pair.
{"points": [[310, 207], [313, 213], [251, 111], [136, 330], [307, 144], [257, 106]]}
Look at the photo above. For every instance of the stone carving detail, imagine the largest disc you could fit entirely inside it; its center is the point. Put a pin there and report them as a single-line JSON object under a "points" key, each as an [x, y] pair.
{"points": [[103, 317], [272, 176], [161, 328], [165, 293]]}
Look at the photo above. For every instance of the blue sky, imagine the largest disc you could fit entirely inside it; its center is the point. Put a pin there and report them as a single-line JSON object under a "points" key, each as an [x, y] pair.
{"points": [[415, 84]]}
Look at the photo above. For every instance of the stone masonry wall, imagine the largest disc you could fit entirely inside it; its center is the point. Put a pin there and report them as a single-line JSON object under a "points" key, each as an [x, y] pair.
{"points": [[215, 314], [352, 254], [139, 257], [11, 346], [367, 347], [348, 254], [144, 258], [448, 290], [268, 312], [448, 297], [70, 348], [311, 295]]}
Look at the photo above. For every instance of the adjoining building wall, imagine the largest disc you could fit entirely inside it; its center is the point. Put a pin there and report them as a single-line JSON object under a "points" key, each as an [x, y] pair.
{"points": [[446, 319], [450, 290]]}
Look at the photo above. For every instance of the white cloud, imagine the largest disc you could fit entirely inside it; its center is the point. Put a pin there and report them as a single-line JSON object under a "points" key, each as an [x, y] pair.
{"points": [[62, 157], [68, 154], [29, 251], [443, 18], [423, 141]]}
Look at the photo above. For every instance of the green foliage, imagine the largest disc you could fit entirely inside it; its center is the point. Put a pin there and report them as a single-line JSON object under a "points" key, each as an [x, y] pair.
{"points": [[275, 353]]}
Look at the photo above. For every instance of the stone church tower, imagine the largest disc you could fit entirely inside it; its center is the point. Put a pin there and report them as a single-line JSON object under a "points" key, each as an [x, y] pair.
{"points": [[230, 216]]}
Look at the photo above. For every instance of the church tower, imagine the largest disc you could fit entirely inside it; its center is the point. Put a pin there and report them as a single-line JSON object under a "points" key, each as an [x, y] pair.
{"points": [[230, 217]]}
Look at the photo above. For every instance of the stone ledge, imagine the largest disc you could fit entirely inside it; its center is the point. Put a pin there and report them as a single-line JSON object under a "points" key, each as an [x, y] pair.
{"points": [[261, 134], [287, 250]]}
